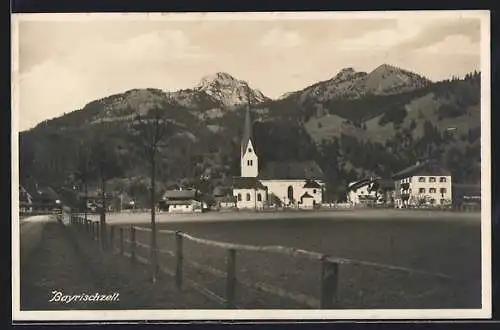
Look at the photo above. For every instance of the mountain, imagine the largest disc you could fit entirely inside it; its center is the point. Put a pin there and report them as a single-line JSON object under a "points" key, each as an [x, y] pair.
{"points": [[351, 84], [353, 125], [220, 90]]}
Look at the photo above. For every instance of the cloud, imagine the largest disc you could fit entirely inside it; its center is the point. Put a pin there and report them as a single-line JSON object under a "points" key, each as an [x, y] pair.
{"points": [[453, 45], [382, 39], [436, 32], [279, 38]]}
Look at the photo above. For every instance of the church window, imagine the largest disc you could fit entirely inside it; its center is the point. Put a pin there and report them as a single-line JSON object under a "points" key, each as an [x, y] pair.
{"points": [[249, 149], [290, 193], [314, 191], [248, 197], [249, 162], [239, 197], [259, 197]]}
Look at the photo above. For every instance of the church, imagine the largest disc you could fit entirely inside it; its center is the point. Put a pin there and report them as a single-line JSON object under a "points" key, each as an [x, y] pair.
{"points": [[296, 184]]}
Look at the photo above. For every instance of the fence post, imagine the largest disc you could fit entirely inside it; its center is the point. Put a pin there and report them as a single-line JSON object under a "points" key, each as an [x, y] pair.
{"points": [[231, 278], [121, 241], [179, 259], [132, 243], [329, 283]]}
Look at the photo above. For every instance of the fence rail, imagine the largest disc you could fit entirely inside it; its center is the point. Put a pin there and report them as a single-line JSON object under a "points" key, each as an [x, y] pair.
{"points": [[329, 270]]}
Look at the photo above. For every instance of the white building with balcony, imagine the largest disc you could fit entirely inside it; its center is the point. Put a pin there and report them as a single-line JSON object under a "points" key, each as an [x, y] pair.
{"points": [[423, 184]]}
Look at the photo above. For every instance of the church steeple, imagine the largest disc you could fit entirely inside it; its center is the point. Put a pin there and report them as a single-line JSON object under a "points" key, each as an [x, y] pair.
{"points": [[247, 132], [249, 160]]}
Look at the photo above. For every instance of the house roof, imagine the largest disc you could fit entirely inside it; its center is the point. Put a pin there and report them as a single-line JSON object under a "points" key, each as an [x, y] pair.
{"points": [[312, 184], [306, 195], [180, 194], [290, 170], [359, 184], [180, 202], [226, 199], [247, 183], [45, 193], [247, 132], [24, 195], [427, 167]]}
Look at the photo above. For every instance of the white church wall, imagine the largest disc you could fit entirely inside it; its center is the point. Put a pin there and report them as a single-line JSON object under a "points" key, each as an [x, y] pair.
{"points": [[249, 198], [249, 162], [316, 193], [280, 189]]}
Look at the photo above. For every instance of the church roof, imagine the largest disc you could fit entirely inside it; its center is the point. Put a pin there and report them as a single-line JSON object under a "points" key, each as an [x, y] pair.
{"points": [[247, 183], [312, 184], [291, 170], [247, 132]]}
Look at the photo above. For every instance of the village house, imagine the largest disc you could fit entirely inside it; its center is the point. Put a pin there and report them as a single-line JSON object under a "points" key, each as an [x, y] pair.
{"points": [[35, 198], [424, 184], [224, 198], [25, 200], [288, 183], [181, 201], [360, 192], [370, 191]]}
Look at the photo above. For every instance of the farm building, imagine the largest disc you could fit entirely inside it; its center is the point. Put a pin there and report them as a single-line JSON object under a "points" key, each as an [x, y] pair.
{"points": [[181, 201], [38, 199], [284, 182], [424, 184]]}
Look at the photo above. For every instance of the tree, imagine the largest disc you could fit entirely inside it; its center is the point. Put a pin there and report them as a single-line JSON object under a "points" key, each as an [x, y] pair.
{"points": [[149, 134], [106, 165], [84, 169]]}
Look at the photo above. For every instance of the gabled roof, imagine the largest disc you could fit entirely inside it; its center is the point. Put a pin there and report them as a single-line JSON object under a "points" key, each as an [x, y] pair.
{"points": [[306, 195], [180, 194], [181, 202], [247, 132], [359, 184], [24, 195], [47, 193], [425, 168], [291, 170], [312, 184], [247, 183], [225, 199]]}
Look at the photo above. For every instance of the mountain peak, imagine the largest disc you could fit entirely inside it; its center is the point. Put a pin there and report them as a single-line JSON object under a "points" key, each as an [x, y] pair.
{"points": [[228, 90], [347, 73]]}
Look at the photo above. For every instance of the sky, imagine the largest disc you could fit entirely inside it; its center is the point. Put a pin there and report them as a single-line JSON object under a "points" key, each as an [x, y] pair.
{"points": [[62, 62]]}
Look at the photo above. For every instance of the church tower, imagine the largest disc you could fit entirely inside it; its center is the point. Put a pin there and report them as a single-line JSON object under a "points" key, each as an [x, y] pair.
{"points": [[249, 160]]}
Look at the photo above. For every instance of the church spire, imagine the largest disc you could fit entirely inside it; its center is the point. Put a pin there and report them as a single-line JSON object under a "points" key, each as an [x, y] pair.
{"points": [[247, 131]]}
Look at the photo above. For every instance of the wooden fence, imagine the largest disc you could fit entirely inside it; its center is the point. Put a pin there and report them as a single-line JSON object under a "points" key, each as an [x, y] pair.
{"points": [[327, 297]]}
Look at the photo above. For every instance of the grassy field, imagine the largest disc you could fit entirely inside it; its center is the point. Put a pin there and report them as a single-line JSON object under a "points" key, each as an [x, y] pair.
{"points": [[442, 242]]}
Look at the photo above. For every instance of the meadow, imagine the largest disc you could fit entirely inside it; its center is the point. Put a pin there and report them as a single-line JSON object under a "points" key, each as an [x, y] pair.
{"points": [[436, 242]]}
